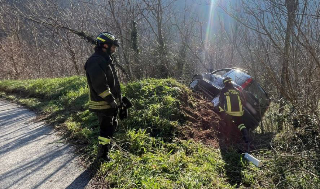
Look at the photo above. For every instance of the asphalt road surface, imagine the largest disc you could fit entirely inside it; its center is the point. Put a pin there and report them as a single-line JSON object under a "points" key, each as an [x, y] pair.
{"points": [[32, 155]]}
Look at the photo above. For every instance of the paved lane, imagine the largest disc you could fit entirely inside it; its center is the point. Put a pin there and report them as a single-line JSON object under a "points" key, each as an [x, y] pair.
{"points": [[33, 156]]}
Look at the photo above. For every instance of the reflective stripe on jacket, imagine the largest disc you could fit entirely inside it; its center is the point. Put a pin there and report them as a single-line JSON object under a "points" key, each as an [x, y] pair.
{"points": [[230, 101], [103, 81]]}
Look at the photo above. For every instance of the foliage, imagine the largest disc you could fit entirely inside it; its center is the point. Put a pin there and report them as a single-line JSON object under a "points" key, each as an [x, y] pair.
{"points": [[142, 161], [157, 107], [146, 152]]}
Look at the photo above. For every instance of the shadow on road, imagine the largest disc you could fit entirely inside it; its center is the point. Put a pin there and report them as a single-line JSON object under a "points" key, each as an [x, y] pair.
{"points": [[82, 180], [32, 156]]}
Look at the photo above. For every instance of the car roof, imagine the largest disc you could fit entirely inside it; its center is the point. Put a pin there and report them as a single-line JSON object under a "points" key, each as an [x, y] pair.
{"points": [[229, 69]]}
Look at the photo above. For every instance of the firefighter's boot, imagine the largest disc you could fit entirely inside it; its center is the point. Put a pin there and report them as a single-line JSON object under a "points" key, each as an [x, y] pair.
{"points": [[245, 135], [103, 152]]}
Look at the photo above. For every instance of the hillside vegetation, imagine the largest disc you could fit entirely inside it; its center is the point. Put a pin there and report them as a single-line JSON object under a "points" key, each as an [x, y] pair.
{"points": [[171, 138]]}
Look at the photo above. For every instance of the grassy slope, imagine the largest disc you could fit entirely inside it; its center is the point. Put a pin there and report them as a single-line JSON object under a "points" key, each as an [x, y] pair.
{"points": [[147, 152]]}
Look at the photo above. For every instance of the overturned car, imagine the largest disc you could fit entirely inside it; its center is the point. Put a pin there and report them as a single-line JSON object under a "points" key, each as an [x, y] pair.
{"points": [[257, 100]]}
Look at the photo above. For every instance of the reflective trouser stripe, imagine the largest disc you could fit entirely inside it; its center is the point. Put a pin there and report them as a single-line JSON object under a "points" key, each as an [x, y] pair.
{"points": [[241, 126], [103, 140]]}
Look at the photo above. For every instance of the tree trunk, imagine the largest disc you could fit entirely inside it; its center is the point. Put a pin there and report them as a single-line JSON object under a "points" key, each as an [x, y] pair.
{"points": [[291, 6]]}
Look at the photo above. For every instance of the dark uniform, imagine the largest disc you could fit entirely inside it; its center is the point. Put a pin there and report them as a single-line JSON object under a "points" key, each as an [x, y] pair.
{"points": [[104, 90], [231, 103]]}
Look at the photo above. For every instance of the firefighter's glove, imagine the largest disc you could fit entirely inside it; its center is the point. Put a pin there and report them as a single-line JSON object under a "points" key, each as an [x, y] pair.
{"points": [[114, 105], [126, 102], [123, 113]]}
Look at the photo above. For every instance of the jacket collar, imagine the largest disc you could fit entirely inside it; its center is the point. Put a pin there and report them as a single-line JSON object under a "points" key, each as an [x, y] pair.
{"points": [[104, 54], [229, 86]]}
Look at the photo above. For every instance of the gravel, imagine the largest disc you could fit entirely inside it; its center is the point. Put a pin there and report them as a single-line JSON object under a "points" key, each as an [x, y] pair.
{"points": [[33, 155]]}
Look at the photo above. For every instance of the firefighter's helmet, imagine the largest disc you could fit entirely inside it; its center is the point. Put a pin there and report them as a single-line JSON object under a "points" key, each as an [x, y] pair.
{"points": [[227, 80], [106, 38]]}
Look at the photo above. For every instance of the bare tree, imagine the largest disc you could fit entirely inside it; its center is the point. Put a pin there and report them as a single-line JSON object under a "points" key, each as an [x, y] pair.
{"points": [[277, 40], [282, 46]]}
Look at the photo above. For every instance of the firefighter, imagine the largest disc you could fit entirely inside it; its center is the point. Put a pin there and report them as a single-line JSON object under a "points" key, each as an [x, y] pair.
{"points": [[230, 103], [104, 86]]}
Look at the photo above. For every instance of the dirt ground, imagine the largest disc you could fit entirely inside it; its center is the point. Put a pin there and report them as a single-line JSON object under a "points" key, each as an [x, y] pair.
{"points": [[205, 125]]}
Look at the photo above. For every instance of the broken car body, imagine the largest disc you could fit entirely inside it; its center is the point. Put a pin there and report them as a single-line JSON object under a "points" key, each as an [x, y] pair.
{"points": [[257, 100]]}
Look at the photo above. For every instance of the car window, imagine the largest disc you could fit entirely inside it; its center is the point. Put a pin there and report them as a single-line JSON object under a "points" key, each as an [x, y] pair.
{"points": [[220, 72], [237, 76], [255, 89], [217, 81], [207, 76]]}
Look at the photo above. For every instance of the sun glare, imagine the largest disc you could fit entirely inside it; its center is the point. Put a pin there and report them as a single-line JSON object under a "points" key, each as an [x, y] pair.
{"points": [[210, 25]]}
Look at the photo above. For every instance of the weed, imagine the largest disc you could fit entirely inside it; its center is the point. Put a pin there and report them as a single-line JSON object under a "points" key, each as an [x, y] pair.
{"points": [[146, 152]]}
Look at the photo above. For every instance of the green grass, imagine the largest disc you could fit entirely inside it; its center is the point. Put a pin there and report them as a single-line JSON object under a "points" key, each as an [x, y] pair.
{"points": [[147, 151], [149, 162]]}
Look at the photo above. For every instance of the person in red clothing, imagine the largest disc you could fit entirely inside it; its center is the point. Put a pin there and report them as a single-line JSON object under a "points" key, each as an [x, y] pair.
{"points": [[231, 106]]}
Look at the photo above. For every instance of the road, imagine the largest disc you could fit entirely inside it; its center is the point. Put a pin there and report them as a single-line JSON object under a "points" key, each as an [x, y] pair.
{"points": [[33, 156]]}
